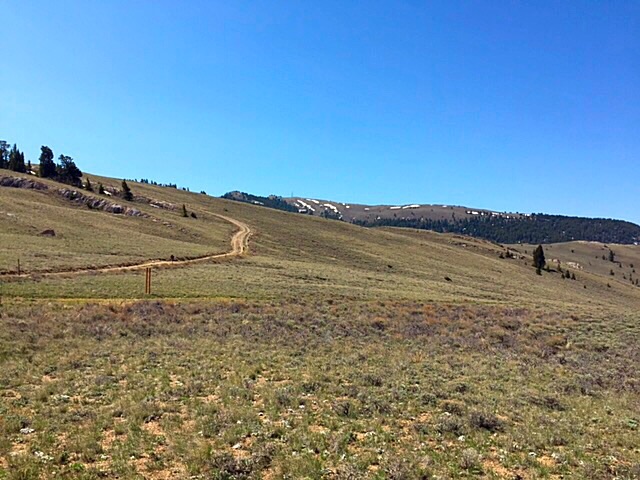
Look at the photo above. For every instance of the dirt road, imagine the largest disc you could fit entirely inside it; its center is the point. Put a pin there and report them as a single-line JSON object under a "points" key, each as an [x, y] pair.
{"points": [[239, 246]]}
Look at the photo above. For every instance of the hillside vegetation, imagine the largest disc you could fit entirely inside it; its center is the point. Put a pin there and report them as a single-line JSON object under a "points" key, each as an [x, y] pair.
{"points": [[88, 237], [502, 227], [537, 228], [325, 350], [292, 256]]}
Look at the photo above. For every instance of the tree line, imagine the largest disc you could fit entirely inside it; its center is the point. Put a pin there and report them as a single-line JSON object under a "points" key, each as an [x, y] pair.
{"points": [[65, 171], [272, 201], [535, 229]]}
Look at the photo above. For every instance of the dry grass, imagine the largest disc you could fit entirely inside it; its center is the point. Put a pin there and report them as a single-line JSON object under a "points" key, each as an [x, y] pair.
{"points": [[359, 390], [331, 351], [89, 238], [292, 256], [593, 257]]}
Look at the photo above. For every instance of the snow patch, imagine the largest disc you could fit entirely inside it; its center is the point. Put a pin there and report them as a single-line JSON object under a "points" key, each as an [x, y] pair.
{"points": [[307, 206], [332, 207]]}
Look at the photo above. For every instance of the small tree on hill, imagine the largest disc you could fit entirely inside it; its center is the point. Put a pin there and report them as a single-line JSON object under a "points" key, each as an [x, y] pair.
{"points": [[612, 256], [538, 259], [16, 160], [126, 191], [68, 172], [88, 185], [184, 211], [100, 189], [4, 154], [47, 165]]}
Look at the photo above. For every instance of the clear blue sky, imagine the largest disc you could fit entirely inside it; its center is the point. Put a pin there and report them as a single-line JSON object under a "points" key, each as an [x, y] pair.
{"points": [[522, 106]]}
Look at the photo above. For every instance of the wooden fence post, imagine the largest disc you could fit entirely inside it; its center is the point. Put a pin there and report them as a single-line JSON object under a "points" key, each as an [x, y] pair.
{"points": [[147, 281]]}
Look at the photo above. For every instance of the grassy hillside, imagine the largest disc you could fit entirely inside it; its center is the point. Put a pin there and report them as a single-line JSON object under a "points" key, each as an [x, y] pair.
{"points": [[328, 351], [85, 237], [292, 256], [593, 257]]}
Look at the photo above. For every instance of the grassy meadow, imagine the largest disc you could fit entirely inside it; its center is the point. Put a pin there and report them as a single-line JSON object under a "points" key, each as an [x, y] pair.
{"points": [[328, 351], [316, 390]]}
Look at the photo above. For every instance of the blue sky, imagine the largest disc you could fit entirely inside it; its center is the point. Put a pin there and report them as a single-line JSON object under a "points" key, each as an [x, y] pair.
{"points": [[521, 106]]}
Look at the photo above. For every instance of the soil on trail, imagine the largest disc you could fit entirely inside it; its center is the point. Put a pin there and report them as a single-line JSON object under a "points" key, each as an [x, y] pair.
{"points": [[239, 246]]}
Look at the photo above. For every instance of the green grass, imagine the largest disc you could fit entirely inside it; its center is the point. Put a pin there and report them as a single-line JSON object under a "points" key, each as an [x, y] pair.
{"points": [[329, 351], [359, 390]]}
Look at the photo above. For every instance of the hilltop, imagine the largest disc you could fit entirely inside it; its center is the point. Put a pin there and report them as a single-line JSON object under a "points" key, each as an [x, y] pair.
{"points": [[502, 227]]}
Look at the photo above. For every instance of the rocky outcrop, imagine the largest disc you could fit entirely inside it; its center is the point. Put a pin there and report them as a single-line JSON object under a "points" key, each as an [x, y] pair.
{"points": [[73, 195], [99, 203], [18, 182], [161, 204]]}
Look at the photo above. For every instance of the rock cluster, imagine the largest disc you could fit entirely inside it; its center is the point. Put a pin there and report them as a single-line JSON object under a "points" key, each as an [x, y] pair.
{"points": [[99, 203], [17, 182], [75, 196]]}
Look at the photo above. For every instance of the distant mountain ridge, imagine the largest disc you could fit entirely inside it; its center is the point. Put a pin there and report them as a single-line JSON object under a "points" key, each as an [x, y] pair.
{"points": [[272, 201], [501, 227], [536, 228]]}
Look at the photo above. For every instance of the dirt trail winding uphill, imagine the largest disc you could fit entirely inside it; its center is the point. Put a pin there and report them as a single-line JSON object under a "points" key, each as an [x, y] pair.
{"points": [[239, 246]]}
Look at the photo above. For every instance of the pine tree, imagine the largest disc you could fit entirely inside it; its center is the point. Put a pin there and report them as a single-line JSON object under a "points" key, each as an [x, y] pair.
{"points": [[16, 160], [184, 210], [88, 185], [47, 165], [538, 259], [100, 189], [4, 154], [126, 191], [68, 172], [612, 256]]}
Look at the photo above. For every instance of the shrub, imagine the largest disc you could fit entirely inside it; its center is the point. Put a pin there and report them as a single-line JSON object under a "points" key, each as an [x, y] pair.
{"points": [[470, 459], [126, 191], [345, 408], [486, 420], [371, 380], [450, 424]]}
